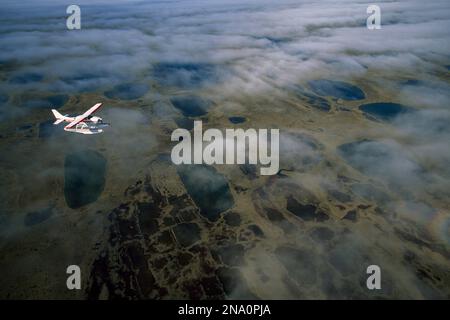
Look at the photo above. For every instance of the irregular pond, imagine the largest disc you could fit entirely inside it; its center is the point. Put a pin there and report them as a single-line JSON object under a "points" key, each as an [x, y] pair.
{"points": [[185, 75], [337, 89], [237, 119], [234, 284], [386, 111], [386, 160], [307, 212], [187, 233], [47, 129], [127, 91], [231, 255], [3, 98], [191, 106], [299, 151], [84, 177], [208, 188], [51, 102], [232, 219], [185, 123], [26, 78], [312, 100], [369, 192], [38, 216], [299, 262], [84, 82]]}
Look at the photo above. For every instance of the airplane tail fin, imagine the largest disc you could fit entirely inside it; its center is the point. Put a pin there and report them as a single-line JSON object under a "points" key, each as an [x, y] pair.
{"points": [[59, 117]]}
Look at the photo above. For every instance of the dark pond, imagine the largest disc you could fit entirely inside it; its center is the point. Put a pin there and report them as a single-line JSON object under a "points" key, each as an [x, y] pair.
{"points": [[312, 100], [57, 101], [26, 130], [234, 284], [256, 230], [351, 215], [364, 153], [337, 89], [127, 91], [318, 102], [3, 98], [26, 78], [237, 120], [299, 262], [185, 123], [250, 170], [184, 75], [208, 188], [386, 111], [345, 260], [8, 64], [51, 102], [148, 214], [322, 234], [277, 40], [340, 196], [369, 192], [83, 82], [307, 212], [299, 151], [385, 160], [187, 233], [47, 129], [38, 216], [413, 82], [279, 220], [232, 219], [191, 106], [232, 255], [25, 127], [84, 177]]}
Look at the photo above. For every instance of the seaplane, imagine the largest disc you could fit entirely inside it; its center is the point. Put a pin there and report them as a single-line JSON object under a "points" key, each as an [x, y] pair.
{"points": [[84, 123]]}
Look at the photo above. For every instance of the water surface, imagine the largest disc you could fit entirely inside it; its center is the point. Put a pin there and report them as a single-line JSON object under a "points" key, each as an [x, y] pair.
{"points": [[185, 75], [237, 119], [127, 91], [312, 100], [191, 106], [336, 89], [25, 78], [208, 188], [51, 102], [187, 233], [84, 177], [386, 111], [38, 216], [47, 129]]}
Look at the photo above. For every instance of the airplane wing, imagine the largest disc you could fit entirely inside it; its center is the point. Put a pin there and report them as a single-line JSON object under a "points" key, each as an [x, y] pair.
{"points": [[84, 115], [92, 110]]}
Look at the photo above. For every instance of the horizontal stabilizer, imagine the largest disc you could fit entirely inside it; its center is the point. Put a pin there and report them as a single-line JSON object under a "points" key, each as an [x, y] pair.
{"points": [[58, 121]]}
